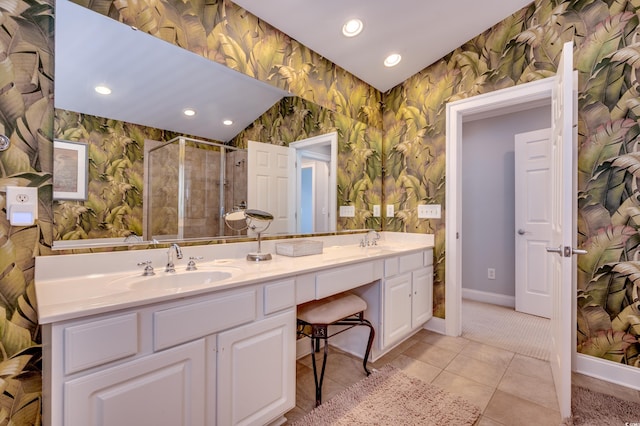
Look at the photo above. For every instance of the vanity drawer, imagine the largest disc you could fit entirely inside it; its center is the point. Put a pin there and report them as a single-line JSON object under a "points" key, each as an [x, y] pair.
{"points": [[189, 322], [305, 288], [99, 342], [411, 262], [279, 295], [391, 266], [347, 277]]}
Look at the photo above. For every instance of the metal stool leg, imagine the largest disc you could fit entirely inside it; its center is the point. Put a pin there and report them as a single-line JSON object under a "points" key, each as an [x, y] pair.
{"points": [[372, 334], [315, 347], [320, 331]]}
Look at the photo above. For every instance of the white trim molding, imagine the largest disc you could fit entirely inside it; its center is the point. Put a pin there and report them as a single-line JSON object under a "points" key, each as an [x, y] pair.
{"points": [[436, 325], [608, 371], [488, 297]]}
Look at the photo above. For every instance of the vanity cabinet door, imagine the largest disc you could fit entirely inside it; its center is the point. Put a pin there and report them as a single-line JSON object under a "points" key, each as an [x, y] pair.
{"points": [[163, 389], [397, 308], [422, 297], [257, 371]]}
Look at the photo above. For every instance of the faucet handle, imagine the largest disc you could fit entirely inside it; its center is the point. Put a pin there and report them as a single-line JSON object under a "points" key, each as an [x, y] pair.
{"points": [[191, 266], [148, 269]]}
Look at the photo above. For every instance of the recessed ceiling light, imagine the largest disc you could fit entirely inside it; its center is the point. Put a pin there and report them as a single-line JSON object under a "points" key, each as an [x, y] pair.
{"points": [[392, 60], [189, 112], [227, 122], [103, 90], [352, 28]]}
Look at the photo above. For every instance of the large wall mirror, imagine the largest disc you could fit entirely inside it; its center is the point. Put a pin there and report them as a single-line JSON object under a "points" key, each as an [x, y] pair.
{"points": [[150, 165]]}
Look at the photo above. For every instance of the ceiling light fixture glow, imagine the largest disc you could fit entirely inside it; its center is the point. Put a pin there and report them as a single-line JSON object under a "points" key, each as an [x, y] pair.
{"points": [[103, 90], [352, 28], [392, 60], [189, 112], [227, 122]]}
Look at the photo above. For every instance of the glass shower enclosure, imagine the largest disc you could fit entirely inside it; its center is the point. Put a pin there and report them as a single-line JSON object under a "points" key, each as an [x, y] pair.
{"points": [[189, 185]]}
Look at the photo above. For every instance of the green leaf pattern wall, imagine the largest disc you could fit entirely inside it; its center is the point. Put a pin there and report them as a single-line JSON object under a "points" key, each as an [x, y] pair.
{"points": [[359, 151], [521, 48]]}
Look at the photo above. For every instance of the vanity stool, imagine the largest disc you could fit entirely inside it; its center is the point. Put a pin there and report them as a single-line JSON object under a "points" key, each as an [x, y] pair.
{"points": [[344, 309]]}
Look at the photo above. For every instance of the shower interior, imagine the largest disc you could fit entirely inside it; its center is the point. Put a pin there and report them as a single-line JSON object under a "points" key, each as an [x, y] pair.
{"points": [[189, 185]]}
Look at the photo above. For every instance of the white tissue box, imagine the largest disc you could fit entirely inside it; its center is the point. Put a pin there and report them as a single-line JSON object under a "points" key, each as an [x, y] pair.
{"points": [[296, 248]]}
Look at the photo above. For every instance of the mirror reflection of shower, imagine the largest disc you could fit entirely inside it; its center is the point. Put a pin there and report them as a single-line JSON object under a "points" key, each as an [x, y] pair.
{"points": [[189, 185]]}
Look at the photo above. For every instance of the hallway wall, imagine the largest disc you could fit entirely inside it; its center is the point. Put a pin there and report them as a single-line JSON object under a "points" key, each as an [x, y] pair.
{"points": [[488, 198]]}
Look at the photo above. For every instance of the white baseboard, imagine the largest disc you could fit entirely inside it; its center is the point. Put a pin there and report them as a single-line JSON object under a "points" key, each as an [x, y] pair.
{"points": [[487, 297], [436, 325], [608, 371]]}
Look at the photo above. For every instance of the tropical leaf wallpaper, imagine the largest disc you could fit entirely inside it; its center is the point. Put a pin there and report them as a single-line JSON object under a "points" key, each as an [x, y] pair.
{"points": [[525, 47], [359, 152], [521, 48], [114, 208]]}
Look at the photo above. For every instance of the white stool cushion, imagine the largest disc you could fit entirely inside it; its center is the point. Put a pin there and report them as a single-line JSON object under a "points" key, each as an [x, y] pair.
{"points": [[331, 309]]}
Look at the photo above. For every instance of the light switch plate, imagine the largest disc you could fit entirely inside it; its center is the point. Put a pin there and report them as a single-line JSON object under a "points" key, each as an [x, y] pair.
{"points": [[376, 210], [347, 211], [429, 211], [390, 210]]}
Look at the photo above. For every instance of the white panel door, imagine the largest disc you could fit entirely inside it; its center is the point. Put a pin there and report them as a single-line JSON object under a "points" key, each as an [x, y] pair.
{"points": [[163, 389], [533, 221], [422, 297], [257, 371], [563, 234], [271, 184], [397, 308]]}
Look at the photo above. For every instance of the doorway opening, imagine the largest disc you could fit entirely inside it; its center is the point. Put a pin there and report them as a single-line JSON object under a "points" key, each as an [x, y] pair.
{"points": [[493, 104], [316, 185]]}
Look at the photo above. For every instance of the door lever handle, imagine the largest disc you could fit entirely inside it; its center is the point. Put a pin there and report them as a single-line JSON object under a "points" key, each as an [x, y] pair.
{"points": [[555, 250], [522, 232], [565, 251]]}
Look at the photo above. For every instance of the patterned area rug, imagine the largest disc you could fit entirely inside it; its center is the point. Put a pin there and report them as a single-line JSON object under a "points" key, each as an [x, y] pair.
{"points": [[506, 328], [596, 409], [390, 397]]}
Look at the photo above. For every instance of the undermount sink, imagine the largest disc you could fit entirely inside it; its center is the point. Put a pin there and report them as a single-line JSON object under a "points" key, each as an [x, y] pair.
{"points": [[181, 279]]}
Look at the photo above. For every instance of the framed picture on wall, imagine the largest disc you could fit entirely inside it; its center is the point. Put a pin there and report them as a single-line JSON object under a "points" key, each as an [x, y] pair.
{"points": [[70, 170]]}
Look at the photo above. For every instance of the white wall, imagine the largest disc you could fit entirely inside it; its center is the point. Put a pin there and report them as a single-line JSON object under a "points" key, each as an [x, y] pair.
{"points": [[488, 198]]}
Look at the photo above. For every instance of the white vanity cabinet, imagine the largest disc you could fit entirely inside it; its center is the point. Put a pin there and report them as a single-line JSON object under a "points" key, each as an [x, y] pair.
{"points": [[223, 358], [255, 378], [166, 388], [407, 290]]}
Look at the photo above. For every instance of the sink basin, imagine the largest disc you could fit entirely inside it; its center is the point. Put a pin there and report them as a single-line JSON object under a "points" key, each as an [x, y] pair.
{"points": [[181, 279]]}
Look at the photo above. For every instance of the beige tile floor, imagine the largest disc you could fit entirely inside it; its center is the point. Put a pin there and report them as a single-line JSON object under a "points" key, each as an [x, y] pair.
{"points": [[509, 388]]}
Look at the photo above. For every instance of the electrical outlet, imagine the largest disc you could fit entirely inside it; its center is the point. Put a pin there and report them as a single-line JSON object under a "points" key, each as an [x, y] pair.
{"points": [[376, 210], [390, 210], [21, 194], [21, 205], [347, 211], [491, 273], [429, 211]]}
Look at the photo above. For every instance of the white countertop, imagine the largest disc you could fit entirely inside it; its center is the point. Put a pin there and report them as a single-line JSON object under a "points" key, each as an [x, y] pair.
{"points": [[78, 285]]}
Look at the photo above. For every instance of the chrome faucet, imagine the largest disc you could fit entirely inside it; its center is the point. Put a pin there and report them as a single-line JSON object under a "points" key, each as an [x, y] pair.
{"points": [[370, 239], [170, 266]]}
